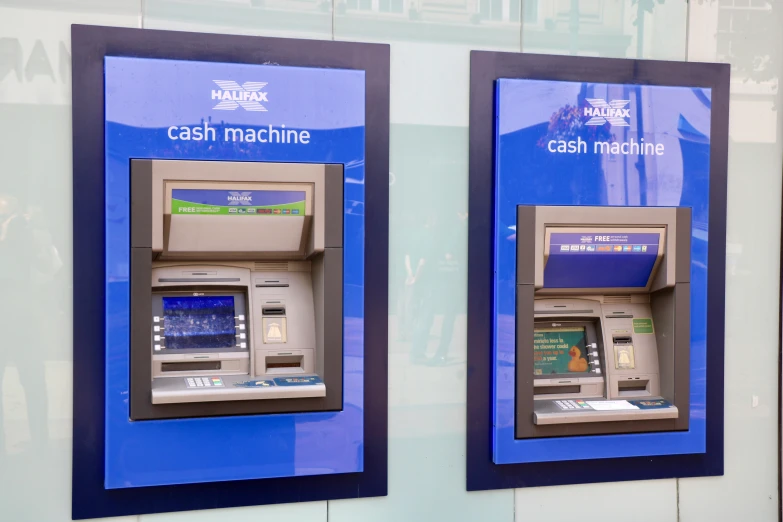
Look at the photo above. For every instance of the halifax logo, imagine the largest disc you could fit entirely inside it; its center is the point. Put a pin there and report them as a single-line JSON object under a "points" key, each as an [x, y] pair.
{"points": [[232, 95], [613, 112], [240, 198]]}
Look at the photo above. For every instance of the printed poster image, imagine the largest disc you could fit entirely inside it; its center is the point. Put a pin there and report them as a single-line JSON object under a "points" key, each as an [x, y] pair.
{"points": [[559, 351]]}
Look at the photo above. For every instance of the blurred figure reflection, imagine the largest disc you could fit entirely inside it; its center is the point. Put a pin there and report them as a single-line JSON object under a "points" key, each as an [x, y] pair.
{"points": [[440, 274], [409, 297], [27, 260]]}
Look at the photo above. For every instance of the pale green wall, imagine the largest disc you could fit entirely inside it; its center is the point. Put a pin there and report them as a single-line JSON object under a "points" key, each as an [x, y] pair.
{"points": [[429, 139]]}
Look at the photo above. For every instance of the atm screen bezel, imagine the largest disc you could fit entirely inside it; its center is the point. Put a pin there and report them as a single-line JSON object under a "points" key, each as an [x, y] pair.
{"points": [[240, 308]]}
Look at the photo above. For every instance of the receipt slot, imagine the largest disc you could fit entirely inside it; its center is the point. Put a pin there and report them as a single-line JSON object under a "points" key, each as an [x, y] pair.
{"points": [[603, 320], [236, 288]]}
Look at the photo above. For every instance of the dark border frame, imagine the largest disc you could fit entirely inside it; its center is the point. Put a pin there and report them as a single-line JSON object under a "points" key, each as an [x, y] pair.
{"points": [[485, 68], [90, 44]]}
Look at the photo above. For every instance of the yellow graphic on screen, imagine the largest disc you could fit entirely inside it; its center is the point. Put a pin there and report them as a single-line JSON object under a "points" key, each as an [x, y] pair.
{"points": [[576, 364]]}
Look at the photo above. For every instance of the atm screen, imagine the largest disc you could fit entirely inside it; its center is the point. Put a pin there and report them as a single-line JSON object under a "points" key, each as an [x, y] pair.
{"points": [[199, 322], [560, 351]]}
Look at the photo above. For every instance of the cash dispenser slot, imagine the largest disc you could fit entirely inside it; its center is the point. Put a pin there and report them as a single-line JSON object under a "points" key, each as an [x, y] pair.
{"points": [[284, 363], [198, 280], [634, 387], [557, 390], [191, 366], [608, 288]]}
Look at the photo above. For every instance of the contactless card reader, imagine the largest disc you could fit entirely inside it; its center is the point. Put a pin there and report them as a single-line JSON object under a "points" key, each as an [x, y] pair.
{"points": [[603, 320]]}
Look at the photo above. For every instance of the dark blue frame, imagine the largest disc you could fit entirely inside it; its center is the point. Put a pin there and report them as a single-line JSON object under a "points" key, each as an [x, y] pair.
{"points": [[486, 68], [89, 46]]}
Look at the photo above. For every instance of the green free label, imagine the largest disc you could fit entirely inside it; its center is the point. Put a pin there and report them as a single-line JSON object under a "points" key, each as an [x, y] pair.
{"points": [[642, 326]]}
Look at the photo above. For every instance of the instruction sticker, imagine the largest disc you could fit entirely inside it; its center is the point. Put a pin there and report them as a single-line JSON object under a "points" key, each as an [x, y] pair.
{"points": [[651, 404], [274, 330], [642, 326], [255, 384], [298, 381]]}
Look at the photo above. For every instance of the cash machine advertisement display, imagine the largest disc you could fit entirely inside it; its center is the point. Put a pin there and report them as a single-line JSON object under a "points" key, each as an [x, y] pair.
{"points": [[600, 191], [230, 263], [246, 272]]}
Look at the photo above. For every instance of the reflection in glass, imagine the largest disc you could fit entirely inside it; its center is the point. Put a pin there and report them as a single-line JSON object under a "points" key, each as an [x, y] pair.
{"points": [[465, 22], [262, 17]]}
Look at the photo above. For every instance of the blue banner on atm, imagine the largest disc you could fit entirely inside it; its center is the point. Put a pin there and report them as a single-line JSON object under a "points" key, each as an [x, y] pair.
{"points": [[188, 110], [573, 143], [600, 260], [238, 202], [254, 198]]}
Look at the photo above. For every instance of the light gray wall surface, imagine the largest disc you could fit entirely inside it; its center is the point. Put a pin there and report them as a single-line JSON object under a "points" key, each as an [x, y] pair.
{"points": [[429, 194]]}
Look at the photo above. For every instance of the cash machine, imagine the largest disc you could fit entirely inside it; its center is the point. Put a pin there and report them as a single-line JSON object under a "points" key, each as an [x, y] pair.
{"points": [[236, 288], [603, 320]]}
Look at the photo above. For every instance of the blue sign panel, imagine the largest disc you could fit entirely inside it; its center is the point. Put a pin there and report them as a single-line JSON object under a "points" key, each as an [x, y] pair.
{"points": [[600, 260], [188, 110], [572, 143]]}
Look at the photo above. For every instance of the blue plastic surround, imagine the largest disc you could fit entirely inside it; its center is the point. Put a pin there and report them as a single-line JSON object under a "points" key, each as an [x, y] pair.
{"points": [[546, 154], [148, 104]]}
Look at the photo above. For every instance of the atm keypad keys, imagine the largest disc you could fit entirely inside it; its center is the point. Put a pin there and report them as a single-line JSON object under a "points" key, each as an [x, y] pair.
{"points": [[573, 405], [203, 382]]}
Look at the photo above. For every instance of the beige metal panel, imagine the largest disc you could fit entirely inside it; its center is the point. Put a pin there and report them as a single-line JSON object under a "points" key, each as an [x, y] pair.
{"points": [[162, 394], [626, 218], [297, 299], [555, 229], [213, 271], [197, 235], [645, 349], [604, 416], [256, 237]]}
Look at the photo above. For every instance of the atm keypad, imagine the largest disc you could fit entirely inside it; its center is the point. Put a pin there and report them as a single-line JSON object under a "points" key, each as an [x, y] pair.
{"points": [[573, 405], [203, 382]]}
